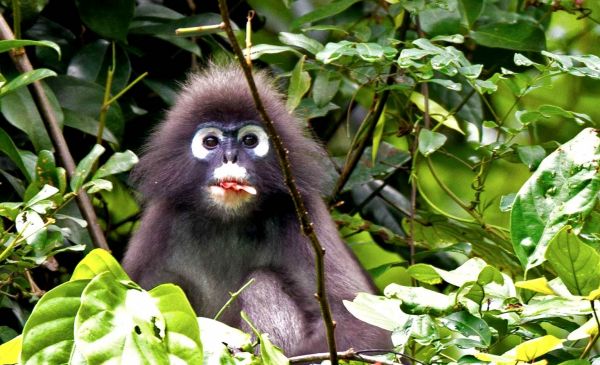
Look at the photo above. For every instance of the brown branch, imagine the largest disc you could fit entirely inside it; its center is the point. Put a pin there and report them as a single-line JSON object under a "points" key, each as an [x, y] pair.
{"points": [[22, 64], [284, 163], [343, 355]]}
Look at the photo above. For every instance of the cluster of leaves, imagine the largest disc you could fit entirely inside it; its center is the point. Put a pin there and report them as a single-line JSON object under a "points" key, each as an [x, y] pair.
{"points": [[100, 316]]}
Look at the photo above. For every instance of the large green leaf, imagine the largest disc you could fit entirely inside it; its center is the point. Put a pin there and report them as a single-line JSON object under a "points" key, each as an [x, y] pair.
{"points": [[119, 323], [577, 264], [109, 18], [26, 79], [183, 334], [119, 162], [20, 110], [97, 262], [84, 167], [7, 45], [471, 327], [377, 310], [48, 334], [299, 85], [520, 35], [417, 300], [323, 12], [563, 190], [8, 147], [87, 125]]}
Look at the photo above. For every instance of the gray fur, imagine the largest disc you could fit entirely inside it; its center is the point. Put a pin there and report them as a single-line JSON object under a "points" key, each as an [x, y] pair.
{"points": [[186, 240]]}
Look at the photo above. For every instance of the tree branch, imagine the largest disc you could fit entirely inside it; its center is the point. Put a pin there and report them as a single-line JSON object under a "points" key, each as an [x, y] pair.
{"points": [[350, 354], [284, 163], [22, 64]]}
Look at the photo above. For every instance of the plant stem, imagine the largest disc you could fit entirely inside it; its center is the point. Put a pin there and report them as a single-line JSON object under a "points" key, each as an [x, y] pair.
{"points": [[233, 298], [284, 163]]}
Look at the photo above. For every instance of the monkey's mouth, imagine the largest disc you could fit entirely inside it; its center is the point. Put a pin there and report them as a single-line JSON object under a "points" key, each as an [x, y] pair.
{"points": [[234, 185]]}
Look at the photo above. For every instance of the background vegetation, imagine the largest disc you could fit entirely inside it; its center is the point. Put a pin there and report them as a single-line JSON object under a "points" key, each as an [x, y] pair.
{"points": [[443, 120]]}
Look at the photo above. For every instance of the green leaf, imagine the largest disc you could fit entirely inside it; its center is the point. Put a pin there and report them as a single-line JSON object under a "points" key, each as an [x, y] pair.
{"points": [[118, 323], [299, 85], [46, 192], [429, 141], [8, 147], [436, 111], [87, 125], [270, 354], [97, 262], [377, 310], [378, 135], [417, 300], [520, 35], [300, 40], [20, 110], [117, 163], [7, 45], [325, 86], [469, 326], [183, 334], [424, 273], [262, 49], [563, 191], [97, 185], [323, 12], [48, 336], [109, 18], [470, 11], [31, 227], [531, 156], [218, 337], [577, 264], [370, 52], [26, 79], [84, 167]]}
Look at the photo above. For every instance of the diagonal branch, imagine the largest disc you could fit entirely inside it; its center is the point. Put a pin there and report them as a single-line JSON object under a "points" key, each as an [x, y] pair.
{"points": [[22, 64], [284, 162]]}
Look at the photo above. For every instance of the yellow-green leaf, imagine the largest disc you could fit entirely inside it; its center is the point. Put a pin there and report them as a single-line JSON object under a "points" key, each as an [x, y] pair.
{"points": [[10, 351], [97, 262], [586, 330], [436, 111], [529, 350], [539, 285]]}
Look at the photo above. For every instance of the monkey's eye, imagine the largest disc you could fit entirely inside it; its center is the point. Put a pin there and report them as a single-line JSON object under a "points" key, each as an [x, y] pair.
{"points": [[210, 142], [250, 140]]}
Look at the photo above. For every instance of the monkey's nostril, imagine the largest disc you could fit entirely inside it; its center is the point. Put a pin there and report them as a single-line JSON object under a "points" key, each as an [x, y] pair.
{"points": [[230, 156]]}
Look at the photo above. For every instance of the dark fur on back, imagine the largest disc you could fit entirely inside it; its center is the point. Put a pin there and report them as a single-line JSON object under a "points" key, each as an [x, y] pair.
{"points": [[184, 240]]}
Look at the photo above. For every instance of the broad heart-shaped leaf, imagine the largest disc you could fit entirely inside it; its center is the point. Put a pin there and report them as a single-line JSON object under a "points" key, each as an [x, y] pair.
{"points": [[109, 18], [119, 323], [469, 326], [562, 191], [97, 262], [48, 334], [20, 110], [429, 141], [218, 337], [299, 85], [521, 35], [183, 334], [84, 167], [7, 45], [577, 264], [26, 79], [119, 162]]}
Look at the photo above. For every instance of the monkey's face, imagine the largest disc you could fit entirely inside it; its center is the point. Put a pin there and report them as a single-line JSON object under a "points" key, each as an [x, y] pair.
{"points": [[232, 156]]}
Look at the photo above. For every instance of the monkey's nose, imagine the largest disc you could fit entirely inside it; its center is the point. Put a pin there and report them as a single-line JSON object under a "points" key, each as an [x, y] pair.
{"points": [[230, 156]]}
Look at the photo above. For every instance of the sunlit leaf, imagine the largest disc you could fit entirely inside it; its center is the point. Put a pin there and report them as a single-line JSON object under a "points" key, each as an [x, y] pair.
{"points": [[436, 111]]}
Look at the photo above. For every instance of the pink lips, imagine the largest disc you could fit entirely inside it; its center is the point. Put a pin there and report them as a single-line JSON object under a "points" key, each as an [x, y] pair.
{"points": [[236, 186]]}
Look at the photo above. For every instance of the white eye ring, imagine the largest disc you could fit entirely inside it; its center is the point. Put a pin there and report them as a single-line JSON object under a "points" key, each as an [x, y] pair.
{"points": [[262, 146], [198, 149]]}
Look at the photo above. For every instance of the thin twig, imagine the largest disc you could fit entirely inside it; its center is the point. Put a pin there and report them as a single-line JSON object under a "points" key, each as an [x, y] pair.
{"points": [[284, 162], [22, 63], [233, 297], [344, 355]]}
